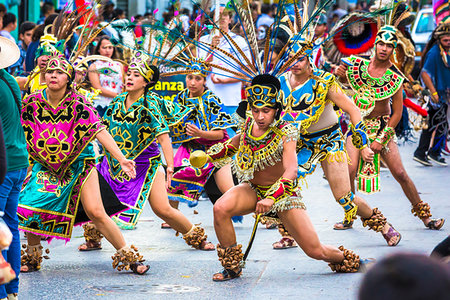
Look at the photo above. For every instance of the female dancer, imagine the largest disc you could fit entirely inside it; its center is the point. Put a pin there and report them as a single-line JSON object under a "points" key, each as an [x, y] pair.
{"points": [[63, 187], [205, 126], [137, 120]]}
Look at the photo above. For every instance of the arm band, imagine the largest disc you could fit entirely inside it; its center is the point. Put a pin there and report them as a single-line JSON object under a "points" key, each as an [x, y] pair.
{"points": [[359, 135], [386, 135], [281, 189], [221, 153]]}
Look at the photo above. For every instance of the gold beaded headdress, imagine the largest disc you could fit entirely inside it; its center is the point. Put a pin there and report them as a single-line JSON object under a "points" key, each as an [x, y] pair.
{"points": [[59, 62]]}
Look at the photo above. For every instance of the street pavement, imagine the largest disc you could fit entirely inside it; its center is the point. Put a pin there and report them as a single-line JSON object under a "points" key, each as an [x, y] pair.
{"points": [[179, 272]]}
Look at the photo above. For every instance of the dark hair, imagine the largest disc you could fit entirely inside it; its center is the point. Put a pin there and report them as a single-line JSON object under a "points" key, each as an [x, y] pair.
{"points": [[406, 276], [50, 19], [266, 8], [26, 26], [117, 12], [433, 40], [38, 31], [267, 80], [47, 7], [99, 43], [9, 18], [2, 8], [151, 84]]}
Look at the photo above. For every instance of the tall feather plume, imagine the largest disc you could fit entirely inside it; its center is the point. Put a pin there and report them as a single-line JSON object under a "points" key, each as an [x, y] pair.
{"points": [[298, 19], [267, 48], [86, 44], [304, 15], [282, 64], [250, 28]]}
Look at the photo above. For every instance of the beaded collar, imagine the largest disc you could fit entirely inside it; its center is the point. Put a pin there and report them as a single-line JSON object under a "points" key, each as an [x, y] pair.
{"points": [[369, 89]]}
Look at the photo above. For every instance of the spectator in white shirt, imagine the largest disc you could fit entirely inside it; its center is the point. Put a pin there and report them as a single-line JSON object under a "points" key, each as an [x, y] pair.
{"points": [[221, 83]]}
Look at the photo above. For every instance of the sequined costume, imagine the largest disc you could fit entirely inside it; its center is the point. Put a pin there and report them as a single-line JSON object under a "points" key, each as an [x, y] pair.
{"points": [[303, 106], [368, 90], [59, 144], [258, 153], [207, 114], [135, 131]]}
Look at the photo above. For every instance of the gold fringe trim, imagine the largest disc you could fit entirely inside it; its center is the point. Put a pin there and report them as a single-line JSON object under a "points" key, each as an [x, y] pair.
{"points": [[338, 156]]}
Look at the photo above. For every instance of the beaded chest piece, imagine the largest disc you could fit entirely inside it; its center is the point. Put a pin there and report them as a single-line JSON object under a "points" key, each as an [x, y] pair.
{"points": [[257, 153], [368, 89]]}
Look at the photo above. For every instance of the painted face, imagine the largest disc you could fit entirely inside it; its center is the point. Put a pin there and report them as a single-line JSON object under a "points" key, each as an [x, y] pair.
{"points": [[195, 84], [263, 116], [383, 51], [300, 66], [106, 48], [56, 80], [134, 81], [261, 33], [42, 61]]}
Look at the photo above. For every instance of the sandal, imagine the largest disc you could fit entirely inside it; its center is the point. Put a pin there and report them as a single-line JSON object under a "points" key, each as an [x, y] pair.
{"points": [[204, 244], [284, 243], [432, 224], [165, 226], [390, 234], [134, 268], [90, 246], [343, 225], [227, 274]]}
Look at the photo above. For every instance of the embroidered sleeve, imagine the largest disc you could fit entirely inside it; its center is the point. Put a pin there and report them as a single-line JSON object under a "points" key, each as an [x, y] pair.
{"points": [[217, 117]]}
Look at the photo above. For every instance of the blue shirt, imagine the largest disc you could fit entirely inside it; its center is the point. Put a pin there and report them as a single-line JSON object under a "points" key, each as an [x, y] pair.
{"points": [[439, 73]]}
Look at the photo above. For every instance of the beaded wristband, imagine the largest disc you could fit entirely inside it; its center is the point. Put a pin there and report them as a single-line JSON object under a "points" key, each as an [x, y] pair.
{"points": [[359, 135]]}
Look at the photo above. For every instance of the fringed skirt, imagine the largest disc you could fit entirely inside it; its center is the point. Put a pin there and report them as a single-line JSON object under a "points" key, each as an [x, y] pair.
{"points": [[286, 203]]}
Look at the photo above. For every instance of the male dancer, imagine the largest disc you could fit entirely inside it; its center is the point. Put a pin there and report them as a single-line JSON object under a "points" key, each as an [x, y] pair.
{"points": [[310, 95], [266, 166], [376, 82]]}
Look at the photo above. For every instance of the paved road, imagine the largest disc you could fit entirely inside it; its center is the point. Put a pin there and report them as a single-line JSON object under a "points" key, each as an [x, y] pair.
{"points": [[179, 272]]}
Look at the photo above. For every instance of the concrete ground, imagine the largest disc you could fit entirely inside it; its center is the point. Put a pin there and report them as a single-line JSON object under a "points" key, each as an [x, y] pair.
{"points": [[179, 272]]}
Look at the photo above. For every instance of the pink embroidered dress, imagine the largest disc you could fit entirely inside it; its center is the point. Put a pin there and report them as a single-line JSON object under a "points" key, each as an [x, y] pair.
{"points": [[60, 150]]}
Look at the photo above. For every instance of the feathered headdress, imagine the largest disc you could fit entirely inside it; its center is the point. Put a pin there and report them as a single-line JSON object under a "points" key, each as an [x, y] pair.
{"points": [[354, 34], [399, 16]]}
